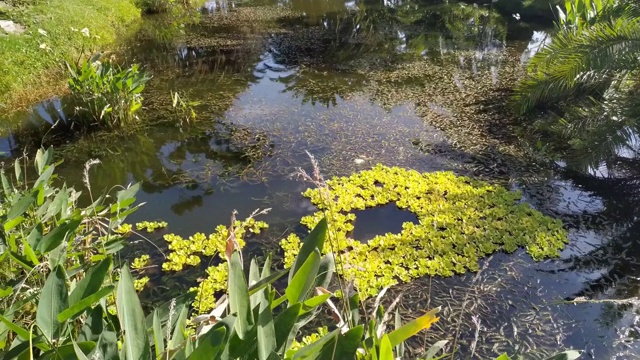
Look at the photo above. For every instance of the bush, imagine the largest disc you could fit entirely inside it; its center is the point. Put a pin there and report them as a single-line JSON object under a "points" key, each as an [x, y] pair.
{"points": [[106, 94]]}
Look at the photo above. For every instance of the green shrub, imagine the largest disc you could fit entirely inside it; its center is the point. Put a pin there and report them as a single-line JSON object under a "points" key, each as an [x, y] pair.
{"points": [[105, 94], [43, 232]]}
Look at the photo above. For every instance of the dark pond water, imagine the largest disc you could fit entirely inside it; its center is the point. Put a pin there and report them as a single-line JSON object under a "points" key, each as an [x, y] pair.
{"points": [[417, 84]]}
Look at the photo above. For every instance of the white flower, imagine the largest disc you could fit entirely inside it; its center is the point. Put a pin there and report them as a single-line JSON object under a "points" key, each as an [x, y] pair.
{"points": [[516, 16], [41, 31], [85, 32]]}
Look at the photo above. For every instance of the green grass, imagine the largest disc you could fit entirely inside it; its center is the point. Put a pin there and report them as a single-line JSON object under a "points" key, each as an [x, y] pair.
{"points": [[30, 72]]}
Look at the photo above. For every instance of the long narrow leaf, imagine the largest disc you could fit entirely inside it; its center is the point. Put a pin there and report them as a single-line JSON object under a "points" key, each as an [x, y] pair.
{"points": [[239, 296], [91, 283], [85, 303], [304, 279], [210, 345], [314, 241], [135, 345], [413, 327]]}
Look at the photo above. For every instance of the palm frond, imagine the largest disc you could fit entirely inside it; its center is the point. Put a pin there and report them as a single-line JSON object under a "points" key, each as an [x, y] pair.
{"points": [[581, 63]]}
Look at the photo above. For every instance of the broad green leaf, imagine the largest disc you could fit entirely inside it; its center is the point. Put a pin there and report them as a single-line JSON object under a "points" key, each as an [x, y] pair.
{"points": [[210, 345], [239, 296], [158, 335], [135, 345], [284, 323], [266, 328], [566, 355], [386, 350], [5, 291], [413, 327], [24, 262], [313, 350], [22, 205], [44, 177], [20, 350], [35, 236], [85, 303], [314, 241], [22, 333], [53, 301], [346, 347], [503, 357], [57, 235], [43, 158], [304, 279], [93, 325], [79, 352], [91, 282], [325, 271], [6, 188], [254, 277], [312, 303], [270, 279], [67, 351], [266, 268], [29, 253], [8, 225], [18, 170], [107, 346], [128, 194]]}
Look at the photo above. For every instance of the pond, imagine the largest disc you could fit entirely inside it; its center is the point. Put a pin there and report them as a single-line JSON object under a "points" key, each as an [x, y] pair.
{"points": [[417, 84]]}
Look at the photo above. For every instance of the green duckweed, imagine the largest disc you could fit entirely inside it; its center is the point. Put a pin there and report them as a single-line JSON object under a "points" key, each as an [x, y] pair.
{"points": [[460, 221]]}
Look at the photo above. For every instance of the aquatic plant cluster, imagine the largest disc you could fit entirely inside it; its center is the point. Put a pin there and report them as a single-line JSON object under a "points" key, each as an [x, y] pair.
{"points": [[460, 221], [188, 252]]}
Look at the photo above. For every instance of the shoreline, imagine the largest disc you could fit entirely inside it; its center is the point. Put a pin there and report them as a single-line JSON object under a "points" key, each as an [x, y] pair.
{"points": [[32, 61]]}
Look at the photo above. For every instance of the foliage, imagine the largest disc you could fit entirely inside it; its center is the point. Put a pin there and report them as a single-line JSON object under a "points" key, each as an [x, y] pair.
{"points": [[60, 287], [460, 221], [106, 95], [255, 332], [189, 252], [183, 109], [151, 226], [55, 257], [579, 14], [587, 77], [30, 62]]}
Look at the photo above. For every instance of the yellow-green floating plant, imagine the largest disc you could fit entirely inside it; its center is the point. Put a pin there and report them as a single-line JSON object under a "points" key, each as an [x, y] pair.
{"points": [[460, 221], [188, 252], [151, 226]]}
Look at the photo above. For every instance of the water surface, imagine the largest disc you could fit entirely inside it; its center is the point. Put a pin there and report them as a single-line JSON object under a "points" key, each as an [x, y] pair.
{"points": [[417, 84]]}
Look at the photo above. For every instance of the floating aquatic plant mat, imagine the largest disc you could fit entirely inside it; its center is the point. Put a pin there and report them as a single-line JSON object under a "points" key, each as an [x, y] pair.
{"points": [[461, 220]]}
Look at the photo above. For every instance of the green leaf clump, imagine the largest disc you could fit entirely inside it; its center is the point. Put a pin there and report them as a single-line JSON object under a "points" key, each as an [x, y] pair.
{"points": [[461, 220]]}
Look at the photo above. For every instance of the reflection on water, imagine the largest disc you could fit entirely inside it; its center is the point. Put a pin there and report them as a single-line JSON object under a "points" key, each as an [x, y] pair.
{"points": [[303, 79]]}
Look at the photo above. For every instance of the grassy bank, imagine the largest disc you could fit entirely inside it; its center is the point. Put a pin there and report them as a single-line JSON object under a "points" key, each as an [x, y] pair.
{"points": [[30, 62]]}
